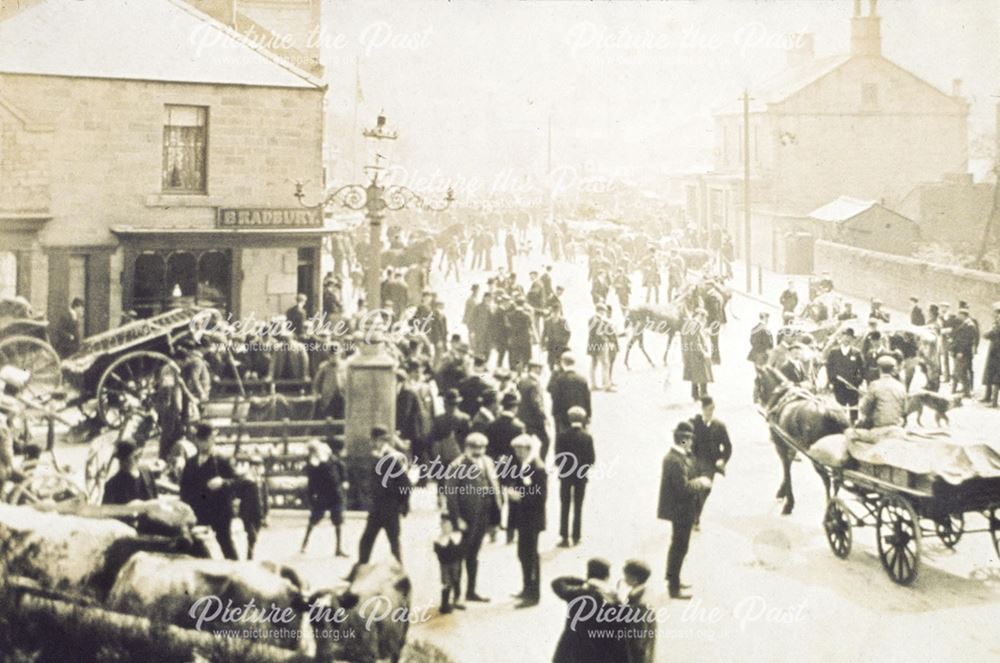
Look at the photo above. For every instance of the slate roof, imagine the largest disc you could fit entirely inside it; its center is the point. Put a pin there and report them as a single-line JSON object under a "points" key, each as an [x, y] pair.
{"points": [[150, 40]]}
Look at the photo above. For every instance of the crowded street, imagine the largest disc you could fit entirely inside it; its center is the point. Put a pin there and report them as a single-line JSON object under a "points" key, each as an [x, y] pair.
{"points": [[337, 331]]}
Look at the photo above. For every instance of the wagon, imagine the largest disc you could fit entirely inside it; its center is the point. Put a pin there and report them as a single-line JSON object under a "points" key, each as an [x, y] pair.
{"points": [[902, 507], [24, 344], [118, 369]]}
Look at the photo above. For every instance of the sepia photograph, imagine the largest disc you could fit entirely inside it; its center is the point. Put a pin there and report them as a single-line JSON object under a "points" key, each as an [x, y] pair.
{"points": [[499, 331]]}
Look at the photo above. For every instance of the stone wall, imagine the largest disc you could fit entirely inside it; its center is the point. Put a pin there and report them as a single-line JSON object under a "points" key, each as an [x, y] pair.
{"points": [[894, 279]]}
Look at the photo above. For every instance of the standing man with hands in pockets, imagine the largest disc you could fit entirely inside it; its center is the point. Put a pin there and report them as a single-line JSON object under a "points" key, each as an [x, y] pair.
{"points": [[680, 495]]}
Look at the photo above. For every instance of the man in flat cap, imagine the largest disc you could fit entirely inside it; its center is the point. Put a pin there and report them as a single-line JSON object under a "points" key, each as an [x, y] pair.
{"points": [[885, 402]]}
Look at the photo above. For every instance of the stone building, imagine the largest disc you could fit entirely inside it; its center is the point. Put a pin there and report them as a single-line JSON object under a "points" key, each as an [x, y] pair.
{"points": [[855, 124], [155, 173]]}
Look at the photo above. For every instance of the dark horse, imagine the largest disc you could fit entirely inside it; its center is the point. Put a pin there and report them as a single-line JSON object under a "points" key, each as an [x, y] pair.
{"points": [[802, 416], [664, 319]]}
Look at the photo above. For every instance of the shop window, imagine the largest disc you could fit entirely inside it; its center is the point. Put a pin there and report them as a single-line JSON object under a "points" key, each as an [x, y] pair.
{"points": [[147, 293], [185, 141], [166, 279], [182, 276], [8, 274], [213, 279]]}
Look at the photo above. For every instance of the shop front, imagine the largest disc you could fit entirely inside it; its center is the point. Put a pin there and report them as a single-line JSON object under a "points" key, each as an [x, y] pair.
{"points": [[253, 262]]}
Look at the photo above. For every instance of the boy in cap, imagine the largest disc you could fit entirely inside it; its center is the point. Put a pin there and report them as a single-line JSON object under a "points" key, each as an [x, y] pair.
{"points": [[641, 642], [326, 484]]}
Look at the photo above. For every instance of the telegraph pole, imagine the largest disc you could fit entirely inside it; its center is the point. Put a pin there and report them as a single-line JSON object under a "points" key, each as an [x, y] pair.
{"points": [[746, 191]]}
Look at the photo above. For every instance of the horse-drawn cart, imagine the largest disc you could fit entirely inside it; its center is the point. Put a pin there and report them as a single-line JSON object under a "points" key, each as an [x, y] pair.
{"points": [[118, 369], [905, 501]]}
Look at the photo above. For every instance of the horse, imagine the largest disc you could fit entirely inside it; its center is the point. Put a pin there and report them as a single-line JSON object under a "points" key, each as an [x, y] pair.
{"points": [[665, 319], [799, 414]]}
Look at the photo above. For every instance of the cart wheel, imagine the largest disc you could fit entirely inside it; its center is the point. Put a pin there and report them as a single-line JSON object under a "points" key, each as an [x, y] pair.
{"points": [[128, 384], [995, 527], [949, 529], [897, 532], [837, 523], [46, 488], [37, 358]]}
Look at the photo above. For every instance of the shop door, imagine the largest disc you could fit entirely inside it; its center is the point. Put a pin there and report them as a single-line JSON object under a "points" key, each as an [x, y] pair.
{"points": [[307, 266]]}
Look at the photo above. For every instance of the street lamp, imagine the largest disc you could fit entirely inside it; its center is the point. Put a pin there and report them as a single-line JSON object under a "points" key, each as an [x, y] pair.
{"points": [[374, 198]]}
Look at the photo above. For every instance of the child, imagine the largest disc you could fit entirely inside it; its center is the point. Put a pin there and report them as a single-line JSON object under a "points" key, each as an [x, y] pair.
{"points": [[326, 475], [449, 553], [251, 490]]}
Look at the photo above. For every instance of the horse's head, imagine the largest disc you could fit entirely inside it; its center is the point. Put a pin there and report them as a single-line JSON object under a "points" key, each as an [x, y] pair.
{"points": [[769, 385]]}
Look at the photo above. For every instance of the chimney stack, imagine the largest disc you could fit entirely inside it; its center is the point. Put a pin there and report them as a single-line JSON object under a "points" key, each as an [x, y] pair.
{"points": [[801, 50], [956, 87], [866, 35]]}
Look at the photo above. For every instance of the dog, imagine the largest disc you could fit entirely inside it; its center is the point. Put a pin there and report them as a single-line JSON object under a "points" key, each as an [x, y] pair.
{"points": [[917, 401]]}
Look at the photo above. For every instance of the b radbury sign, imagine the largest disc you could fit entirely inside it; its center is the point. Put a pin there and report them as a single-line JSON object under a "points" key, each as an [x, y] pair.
{"points": [[301, 217]]}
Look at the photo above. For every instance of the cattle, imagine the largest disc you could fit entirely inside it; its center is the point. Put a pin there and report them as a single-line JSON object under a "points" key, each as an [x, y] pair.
{"points": [[205, 594], [378, 616], [365, 622]]}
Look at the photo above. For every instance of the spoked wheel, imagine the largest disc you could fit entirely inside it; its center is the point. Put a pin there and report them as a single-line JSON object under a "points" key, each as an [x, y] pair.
{"points": [[46, 487], [128, 384], [995, 527], [898, 535], [837, 523], [949, 528], [36, 357]]}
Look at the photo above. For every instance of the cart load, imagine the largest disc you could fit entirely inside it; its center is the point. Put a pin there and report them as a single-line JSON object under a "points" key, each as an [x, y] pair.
{"points": [[904, 486]]}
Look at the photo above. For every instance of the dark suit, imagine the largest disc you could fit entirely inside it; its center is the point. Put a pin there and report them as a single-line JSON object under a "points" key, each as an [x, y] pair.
{"points": [[211, 507], [410, 420], [470, 389], [501, 433], [794, 372], [711, 444], [574, 458], [580, 641], [531, 410], [845, 367], [568, 388], [521, 333], [473, 495], [66, 334], [761, 343], [390, 501], [532, 484], [296, 320], [917, 317], [123, 488], [679, 497]]}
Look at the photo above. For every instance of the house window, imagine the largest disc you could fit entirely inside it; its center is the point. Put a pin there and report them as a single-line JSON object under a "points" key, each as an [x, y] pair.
{"points": [[869, 95], [185, 139]]}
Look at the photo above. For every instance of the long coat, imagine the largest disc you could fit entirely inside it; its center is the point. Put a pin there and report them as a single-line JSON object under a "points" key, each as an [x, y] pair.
{"points": [[991, 374], [678, 492], [697, 360], [568, 388]]}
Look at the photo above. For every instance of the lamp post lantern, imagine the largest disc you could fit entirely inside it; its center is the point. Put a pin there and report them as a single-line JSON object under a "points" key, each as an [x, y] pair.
{"points": [[374, 198]]}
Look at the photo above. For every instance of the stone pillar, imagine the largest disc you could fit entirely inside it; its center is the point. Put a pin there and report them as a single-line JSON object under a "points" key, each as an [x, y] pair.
{"points": [[371, 401]]}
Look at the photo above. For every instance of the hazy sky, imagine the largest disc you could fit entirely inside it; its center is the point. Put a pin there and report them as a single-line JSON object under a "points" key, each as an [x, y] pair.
{"points": [[630, 86]]}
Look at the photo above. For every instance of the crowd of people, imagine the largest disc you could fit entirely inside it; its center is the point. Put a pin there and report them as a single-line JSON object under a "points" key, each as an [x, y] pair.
{"points": [[870, 363]]}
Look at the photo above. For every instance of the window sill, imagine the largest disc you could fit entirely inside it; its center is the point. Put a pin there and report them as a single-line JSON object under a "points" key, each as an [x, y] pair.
{"points": [[182, 200]]}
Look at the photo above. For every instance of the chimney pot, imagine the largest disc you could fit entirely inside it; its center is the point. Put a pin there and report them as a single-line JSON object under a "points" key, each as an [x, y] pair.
{"points": [[857, 7], [956, 87]]}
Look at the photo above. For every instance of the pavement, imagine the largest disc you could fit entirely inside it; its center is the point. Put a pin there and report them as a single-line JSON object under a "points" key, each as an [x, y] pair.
{"points": [[766, 586]]}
